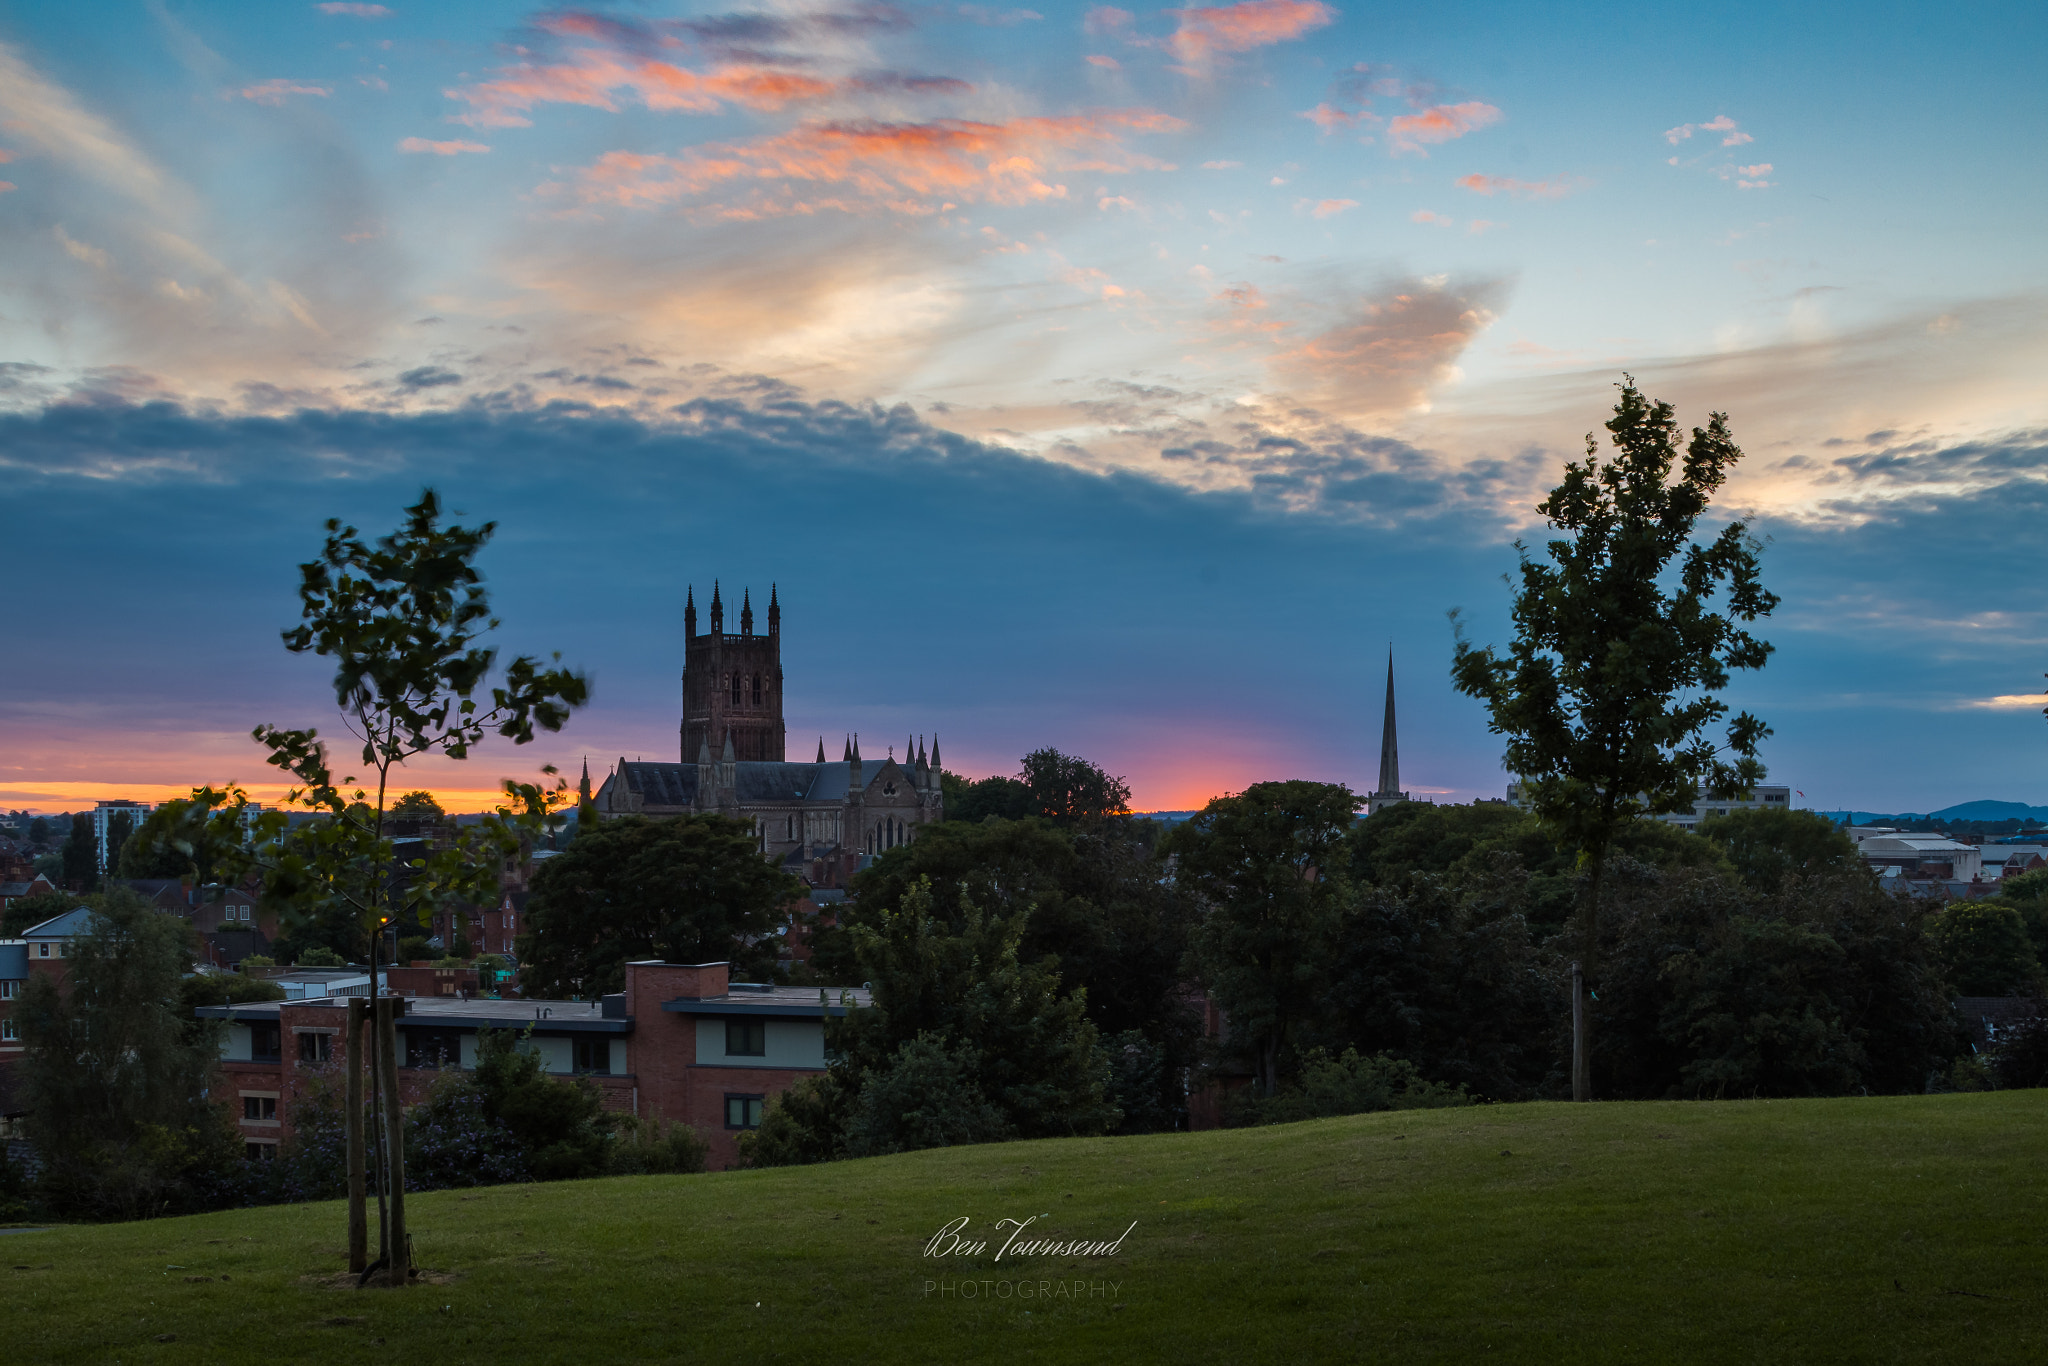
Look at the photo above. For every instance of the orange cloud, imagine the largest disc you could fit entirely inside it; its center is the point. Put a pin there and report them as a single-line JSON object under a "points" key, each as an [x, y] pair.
{"points": [[1240, 27], [1106, 63], [1439, 123], [1429, 216], [441, 149], [6, 185], [1330, 207], [1329, 118], [1518, 189], [904, 167], [276, 91]]}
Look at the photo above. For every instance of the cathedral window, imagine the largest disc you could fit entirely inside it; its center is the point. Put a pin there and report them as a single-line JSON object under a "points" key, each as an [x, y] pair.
{"points": [[757, 690], [736, 690]]}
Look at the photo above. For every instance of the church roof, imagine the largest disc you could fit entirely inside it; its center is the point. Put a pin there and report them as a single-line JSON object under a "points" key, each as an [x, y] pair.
{"points": [[757, 781]]}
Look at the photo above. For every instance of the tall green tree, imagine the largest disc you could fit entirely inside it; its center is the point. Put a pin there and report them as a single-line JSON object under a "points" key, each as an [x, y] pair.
{"points": [[117, 1072], [81, 854], [1769, 846], [417, 805], [689, 889], [1985, 950], [119, 829], [1267, 867], [185, 839], [1622, 641]]}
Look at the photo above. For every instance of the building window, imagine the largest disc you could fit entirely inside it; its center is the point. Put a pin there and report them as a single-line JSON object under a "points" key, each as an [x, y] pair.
{"points": [[433, 1048], [735, 690], [266, 1043], [260, 1152], [259, 1107], [315, 1049], [743, 1112], [594, 1055], [6, 991], [746, 1039], [7, 1034], [757, 690], [42, 950]]}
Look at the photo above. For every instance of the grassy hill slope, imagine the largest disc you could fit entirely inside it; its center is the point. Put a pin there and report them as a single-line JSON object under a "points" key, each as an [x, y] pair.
{"points": [[1896, 1229]]}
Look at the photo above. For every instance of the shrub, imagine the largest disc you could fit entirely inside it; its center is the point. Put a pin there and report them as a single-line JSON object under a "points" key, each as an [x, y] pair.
{"points": [[1348, 1084], [926, 1097], [257, 960], [319, 957], [2021, 1058], [453, 1139], [647, 1147]]}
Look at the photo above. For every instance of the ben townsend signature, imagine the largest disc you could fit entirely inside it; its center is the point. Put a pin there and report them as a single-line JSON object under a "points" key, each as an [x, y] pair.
{"points": [[952, 1241]]}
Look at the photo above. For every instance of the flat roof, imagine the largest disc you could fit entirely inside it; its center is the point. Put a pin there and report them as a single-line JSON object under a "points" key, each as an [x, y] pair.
{"points": [[797, 1002], [428, 1012]]}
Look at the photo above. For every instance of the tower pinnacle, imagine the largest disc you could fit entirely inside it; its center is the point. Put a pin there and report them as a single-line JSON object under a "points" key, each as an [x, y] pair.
{"points": [[1389, 792]]}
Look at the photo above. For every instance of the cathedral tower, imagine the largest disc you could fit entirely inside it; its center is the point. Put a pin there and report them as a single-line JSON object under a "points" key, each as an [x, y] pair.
{"points": [[1389, 793], [732, 684]]}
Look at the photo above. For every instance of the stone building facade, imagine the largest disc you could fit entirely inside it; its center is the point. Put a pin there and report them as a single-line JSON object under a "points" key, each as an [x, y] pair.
{"points": [[817, 819]]}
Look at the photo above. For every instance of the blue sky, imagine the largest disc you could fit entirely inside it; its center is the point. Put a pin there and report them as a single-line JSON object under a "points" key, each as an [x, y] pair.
{"points": [[1120, 380]]}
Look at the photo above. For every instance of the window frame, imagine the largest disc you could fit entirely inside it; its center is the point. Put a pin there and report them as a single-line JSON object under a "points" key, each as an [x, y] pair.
{"points": [[748, 1027], [754, 1105]]}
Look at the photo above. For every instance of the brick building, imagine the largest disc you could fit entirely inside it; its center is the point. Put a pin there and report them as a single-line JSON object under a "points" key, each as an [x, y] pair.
{"points": [[681, 1043], [817, 819]]}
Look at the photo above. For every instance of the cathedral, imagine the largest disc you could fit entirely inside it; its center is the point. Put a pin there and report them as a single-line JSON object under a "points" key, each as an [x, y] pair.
{"points": [[820, 820]]}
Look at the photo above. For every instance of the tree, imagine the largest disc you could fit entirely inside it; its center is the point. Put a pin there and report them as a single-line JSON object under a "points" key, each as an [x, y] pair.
{"points": [[1608, 691], [689, 889], [1768, 846], [27, 912], [1985, 951], [318, 958], [958, 1018], [1266, 866], [39, 832], [417, 805], [1069, 790], [119, 829], [116, 1071], [184, 839], [996, 798], [1099, 912], [403, 621], [81, 854]]}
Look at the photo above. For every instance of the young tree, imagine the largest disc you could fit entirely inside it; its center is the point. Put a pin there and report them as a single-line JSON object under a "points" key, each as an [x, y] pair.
{"points": [[417, 805], [1265, 865], [402, 619], [1608, 691], [689, 889], [119, 829], [184, 839]]}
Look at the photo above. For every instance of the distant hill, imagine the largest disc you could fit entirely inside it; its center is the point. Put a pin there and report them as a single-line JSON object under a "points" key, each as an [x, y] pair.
{"points": [[1962, 811]]}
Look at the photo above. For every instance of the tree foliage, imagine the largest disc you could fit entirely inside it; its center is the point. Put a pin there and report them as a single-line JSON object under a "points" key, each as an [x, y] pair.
{"points": [[417, 805], [688, 889], [1768, 846], [1267, 867], [116, 1072], [81, 854], [1062, 788], [958, 1015], [1984, 950], [185, 839], [29, 911]]}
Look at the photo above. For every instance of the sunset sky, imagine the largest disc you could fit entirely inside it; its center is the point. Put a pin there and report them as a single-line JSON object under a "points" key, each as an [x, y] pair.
{"points": [[1128, 381]]}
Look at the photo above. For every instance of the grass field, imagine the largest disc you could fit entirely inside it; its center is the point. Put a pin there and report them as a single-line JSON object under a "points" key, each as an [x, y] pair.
{"points": [[1878, 1230]]}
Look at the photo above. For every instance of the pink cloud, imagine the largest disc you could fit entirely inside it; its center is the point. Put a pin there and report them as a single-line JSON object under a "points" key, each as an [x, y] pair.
{"points": [[275, 92], [6, 185], [6, 155], [1517, 189], [1762, 168], [1439, 123], [1329, 118], [441, 149], [1243, 26], [353, 11], [1106, 63], [1107, 19], [1720, 123], [1329, 208], [911, 168], [1427, 216], [593, 76], [1480, 226]]}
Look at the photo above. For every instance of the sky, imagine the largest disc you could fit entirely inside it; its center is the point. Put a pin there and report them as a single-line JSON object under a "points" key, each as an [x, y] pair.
{"points": [[1127, 381]]}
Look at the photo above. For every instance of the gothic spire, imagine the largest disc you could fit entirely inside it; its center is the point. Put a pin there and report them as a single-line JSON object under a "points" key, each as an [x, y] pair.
{"points": [[690, 612], [821, 749], [935, 751], [746, 612], [717, 610], [846, 750], [774, 615], [1390, 752]]}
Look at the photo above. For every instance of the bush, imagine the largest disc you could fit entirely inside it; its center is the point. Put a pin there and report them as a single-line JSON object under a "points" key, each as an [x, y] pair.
{"points": [[453, 1139], [926, 1097], [802, 1125], [319, 956], [1348, 1084], [2021, 1058], [1138, 1084], [647, 1147], [414, 948], [561, 1126], [257, 960]]}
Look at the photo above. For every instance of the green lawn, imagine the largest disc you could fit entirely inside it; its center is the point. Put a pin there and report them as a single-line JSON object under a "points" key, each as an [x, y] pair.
{"points": [[1897, 1229]]}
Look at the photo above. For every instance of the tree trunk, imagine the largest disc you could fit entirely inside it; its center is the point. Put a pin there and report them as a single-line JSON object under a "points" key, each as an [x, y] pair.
{"points": [[398, 1250], [1584, 969], [358, 1214]]}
